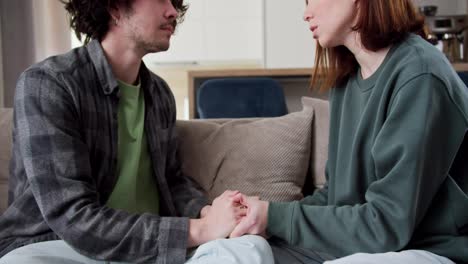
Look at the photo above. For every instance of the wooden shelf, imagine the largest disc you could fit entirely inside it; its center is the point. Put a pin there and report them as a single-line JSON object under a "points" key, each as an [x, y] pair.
{"points": [[460, 66], [249, 72]]}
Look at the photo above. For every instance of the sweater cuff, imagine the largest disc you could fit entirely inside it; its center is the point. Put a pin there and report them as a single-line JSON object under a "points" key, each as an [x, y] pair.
{"points": [[279, 220]]}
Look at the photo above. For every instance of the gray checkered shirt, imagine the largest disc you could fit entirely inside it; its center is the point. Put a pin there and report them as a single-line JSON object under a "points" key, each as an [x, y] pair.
{"points": [[64, 160]]}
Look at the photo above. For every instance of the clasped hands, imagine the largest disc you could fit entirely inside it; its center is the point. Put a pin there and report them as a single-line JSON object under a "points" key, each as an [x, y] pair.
{"points": [[233, 214]]}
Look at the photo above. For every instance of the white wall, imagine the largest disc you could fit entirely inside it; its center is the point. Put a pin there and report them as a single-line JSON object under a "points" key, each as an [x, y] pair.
{"points": [[51, 29], [288, 41], [1, 66], [217, 31]]}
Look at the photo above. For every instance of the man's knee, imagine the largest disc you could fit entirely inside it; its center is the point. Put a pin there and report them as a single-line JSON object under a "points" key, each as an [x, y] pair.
{"points": [[260, 244], [254, 249], [47, 252], [358, 258], [246, 249]]}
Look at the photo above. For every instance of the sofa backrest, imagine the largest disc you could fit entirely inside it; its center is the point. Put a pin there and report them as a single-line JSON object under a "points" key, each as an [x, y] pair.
{"points": [[317, 163], [6, 116], [320, 129]]}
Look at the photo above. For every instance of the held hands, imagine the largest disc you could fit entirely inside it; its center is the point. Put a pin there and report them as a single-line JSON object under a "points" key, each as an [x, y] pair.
{"points": [[231, 214], [224, 214], [256, 219], [217, 220], [249, 214]]}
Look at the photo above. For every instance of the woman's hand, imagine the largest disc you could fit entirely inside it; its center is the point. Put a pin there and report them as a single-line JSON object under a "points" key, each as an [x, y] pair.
{"points": [[256, 220]]}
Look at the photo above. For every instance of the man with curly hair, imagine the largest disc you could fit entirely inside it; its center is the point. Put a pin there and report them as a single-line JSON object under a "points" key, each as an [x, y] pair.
{"points": [[94, 174]]}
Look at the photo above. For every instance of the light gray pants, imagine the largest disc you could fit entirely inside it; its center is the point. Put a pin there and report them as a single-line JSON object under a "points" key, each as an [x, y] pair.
{"points": [[403, 257], [288, 254], [246, 249]]}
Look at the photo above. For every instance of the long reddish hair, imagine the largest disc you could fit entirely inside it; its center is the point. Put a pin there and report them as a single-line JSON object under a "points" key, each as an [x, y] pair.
{"points": [[381, 23]]}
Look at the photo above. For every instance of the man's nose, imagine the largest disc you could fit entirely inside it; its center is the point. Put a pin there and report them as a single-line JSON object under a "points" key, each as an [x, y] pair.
{"points": [[171, 11]]}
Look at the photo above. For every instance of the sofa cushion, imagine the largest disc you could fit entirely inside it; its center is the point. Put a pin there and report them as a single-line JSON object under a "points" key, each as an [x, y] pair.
{"points": [[264, 157], [320, 129], [6, 116]]}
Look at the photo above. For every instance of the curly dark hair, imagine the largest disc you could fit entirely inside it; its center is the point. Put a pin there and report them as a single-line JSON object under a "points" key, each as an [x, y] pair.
{"points": [[90, 18]]}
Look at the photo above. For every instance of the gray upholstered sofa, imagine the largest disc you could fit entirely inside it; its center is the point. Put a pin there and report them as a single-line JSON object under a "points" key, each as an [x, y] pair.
{"points": [[201, 142]]}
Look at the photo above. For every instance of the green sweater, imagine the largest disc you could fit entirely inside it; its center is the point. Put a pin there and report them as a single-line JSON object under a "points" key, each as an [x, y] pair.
{"points": [[397, 174]]}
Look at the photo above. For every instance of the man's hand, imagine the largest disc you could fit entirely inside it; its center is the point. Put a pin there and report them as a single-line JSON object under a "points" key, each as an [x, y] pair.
{"points": [[256, 220], [218, 220], [204, 211]]}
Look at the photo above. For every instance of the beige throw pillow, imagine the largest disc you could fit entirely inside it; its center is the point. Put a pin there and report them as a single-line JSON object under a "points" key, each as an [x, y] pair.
{"points": [[266, 157]]}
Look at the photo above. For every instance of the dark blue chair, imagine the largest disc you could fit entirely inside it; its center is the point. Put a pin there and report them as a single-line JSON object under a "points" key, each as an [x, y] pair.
{"points": [[240, 98], [464, 77]]}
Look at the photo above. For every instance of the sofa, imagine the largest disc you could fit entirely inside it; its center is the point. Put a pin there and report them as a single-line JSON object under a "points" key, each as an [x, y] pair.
{"points": [[252, 155]]}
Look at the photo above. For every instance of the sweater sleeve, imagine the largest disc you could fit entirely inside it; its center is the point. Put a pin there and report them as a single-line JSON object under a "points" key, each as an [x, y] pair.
{"points": [[320, 196], [411, 155]]}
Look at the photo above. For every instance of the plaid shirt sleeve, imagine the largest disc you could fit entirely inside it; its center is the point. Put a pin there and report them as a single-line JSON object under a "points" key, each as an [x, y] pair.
{"points": [[57, 165], [189, 197]]}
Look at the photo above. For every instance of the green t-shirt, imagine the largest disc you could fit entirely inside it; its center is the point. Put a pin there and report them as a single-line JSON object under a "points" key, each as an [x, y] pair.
{"points": [[136, 189]]}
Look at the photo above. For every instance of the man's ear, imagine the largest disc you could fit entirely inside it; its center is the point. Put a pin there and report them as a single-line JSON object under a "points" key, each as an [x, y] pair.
{"points": [[115, 14]]}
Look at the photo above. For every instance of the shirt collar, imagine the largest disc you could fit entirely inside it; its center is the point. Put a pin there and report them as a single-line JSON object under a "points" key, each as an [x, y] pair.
{"points": [[104, 71], [102, 67]]}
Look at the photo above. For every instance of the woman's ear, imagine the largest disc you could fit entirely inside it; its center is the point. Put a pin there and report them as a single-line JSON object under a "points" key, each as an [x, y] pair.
{"points": [[357, 3]]}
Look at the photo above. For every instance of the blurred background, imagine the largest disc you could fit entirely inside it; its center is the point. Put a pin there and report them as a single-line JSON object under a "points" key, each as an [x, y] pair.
{"points": [[219, 38]]}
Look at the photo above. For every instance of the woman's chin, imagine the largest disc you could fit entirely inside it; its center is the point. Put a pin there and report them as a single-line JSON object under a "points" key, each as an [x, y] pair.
{"points": [[326, 43]]}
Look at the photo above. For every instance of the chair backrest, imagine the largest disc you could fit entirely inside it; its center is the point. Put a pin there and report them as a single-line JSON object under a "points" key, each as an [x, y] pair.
{"points": [[240, 98], [464, 77]]}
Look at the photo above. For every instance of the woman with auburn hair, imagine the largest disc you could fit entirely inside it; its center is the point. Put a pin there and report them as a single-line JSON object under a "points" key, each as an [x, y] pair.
{"points": [[397, 176]]}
